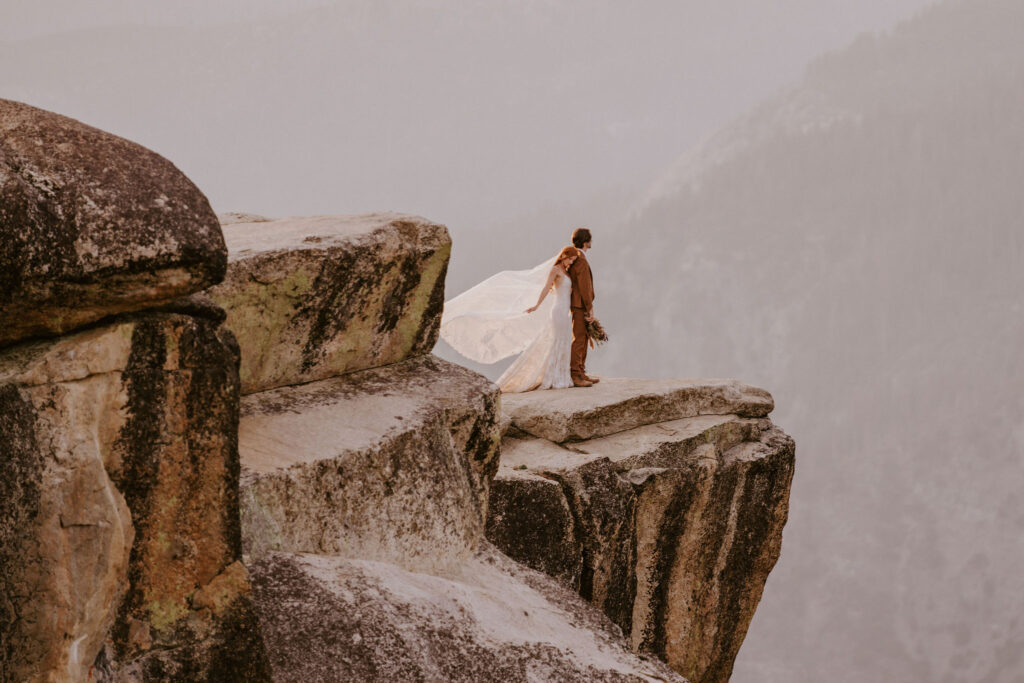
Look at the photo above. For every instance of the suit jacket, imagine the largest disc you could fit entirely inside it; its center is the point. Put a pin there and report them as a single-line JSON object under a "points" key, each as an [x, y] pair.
{"points": [[582, 295]]}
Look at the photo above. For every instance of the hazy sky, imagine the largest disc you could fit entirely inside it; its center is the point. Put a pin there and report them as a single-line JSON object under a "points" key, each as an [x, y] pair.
{"points": [[468, 113]]}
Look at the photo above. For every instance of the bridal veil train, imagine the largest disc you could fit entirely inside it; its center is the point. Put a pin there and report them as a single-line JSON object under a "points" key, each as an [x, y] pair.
{"points": [[488, 322]]}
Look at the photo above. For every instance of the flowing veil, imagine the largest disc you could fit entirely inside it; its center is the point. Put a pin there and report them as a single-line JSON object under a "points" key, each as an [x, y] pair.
{"points": [[487, 322]]}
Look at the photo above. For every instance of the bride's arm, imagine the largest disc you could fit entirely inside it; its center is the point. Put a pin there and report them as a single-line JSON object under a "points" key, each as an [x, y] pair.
{"points": [[544, 292]]}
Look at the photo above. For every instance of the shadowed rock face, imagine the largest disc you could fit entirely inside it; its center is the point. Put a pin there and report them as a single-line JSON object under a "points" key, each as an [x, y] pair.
{"points": [[121, 538], [390, 464], [677, 523], [529, 518], [313, 298], [92, 225]]}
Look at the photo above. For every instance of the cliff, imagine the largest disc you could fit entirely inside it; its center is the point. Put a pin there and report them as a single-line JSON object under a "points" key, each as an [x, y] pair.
{"points": [[661, 502], [120, 544], [324, 500]]}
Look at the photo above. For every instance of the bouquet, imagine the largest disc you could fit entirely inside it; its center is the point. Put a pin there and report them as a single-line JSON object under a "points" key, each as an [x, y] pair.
{"points": [[596, 333]]}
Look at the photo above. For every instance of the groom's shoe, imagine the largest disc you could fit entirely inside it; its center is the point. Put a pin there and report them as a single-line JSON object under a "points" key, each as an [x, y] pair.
{"points": [[581, 382], [592, 380]]}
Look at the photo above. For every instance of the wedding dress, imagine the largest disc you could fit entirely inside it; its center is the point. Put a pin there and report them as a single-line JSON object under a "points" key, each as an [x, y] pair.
{"points": [[488, 323]]}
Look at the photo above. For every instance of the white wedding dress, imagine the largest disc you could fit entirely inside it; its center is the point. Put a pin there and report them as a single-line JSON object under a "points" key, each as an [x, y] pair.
{"points": [[488, 323]]}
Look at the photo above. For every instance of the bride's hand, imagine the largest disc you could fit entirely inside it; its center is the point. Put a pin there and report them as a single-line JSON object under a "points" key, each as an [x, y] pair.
{"points": [[531, 309]]}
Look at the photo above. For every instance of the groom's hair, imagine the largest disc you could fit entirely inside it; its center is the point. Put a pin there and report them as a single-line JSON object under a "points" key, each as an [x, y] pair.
{"points": [[580, 236]]}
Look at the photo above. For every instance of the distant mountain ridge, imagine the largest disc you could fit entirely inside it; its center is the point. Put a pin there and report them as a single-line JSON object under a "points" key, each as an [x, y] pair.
{"points": [[857, 243]]}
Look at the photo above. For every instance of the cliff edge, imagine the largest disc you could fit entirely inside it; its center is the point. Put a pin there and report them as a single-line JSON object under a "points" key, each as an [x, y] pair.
{"points": [[277, 480], [660, 501]]}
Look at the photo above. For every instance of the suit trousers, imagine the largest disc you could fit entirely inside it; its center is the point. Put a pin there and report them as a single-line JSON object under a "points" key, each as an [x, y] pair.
{"points": [[578, 354]]}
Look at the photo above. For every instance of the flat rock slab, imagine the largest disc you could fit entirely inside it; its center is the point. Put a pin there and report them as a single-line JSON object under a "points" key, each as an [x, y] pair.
{"points": [[316, 297], [616, 405], [328, 619], [92, 225], [391, 464]]}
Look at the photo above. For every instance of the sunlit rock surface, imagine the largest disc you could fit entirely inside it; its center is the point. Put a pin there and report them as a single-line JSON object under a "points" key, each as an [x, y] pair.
{"points": [[678, 492], [391, 464], [121, 549], [615, 405], [315, 297], [93, 225], [327, 618], [364, 502]]}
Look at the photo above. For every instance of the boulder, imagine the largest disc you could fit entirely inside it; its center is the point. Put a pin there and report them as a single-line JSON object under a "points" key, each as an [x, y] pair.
{"points": [[390, 464], [327, 619], [121, 546], [312, 298], [92, 225], [616, 405], [678, 523]]}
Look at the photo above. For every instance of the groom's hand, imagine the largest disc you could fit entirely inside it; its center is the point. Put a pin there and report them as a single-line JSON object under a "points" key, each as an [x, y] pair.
{"points": [[589, 317]]}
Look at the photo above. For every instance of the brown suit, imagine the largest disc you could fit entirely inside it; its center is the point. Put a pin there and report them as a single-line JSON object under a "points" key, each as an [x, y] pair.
{"points": [[581, 304]]}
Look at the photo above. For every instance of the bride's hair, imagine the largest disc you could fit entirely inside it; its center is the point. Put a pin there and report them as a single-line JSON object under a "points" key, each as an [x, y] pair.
{"points": [[567, 252]]}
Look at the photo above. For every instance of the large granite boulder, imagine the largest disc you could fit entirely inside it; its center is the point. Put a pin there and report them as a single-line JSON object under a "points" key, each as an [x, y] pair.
{"points": [[92, 225], [389, 464], [120, 542], [487, 619], [312, 298], [678, 522]]}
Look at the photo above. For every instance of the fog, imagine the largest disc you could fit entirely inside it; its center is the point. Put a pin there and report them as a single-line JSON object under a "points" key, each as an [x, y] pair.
{"points": [[819, 197]]}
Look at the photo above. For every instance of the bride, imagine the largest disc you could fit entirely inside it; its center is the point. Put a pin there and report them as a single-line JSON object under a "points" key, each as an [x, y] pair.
{"points": [[488, 323]]}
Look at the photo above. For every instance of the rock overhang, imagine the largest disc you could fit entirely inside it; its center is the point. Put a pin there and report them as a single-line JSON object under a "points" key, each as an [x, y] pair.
{"points": [[93, 225]]}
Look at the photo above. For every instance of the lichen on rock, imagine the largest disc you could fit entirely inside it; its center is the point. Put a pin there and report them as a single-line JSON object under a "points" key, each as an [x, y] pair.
{"points": [[122, 459], [316, 297]]}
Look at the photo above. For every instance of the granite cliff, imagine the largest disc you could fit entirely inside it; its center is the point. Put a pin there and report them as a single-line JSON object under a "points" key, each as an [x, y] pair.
{"points": [[120, 543], [276, 480]]}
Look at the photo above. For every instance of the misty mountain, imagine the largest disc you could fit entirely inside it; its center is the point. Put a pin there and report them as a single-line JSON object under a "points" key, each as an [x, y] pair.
{"points": [[856, 245]]}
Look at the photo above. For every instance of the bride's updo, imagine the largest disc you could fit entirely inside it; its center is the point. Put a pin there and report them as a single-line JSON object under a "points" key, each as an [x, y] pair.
{"points": [[566, 254]]}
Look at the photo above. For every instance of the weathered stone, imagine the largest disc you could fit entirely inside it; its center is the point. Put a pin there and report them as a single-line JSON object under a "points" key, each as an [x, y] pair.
{"points": [[388, 464], [616, 405], [312, 298], [678, 523], [530, 520], [328, 619], [92, 225], [121, 540]]}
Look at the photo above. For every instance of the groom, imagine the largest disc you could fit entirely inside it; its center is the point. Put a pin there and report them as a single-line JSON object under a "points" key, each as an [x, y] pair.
{"points": [[582, 307]]}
